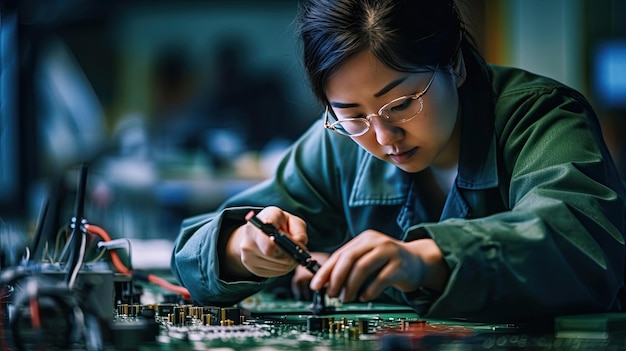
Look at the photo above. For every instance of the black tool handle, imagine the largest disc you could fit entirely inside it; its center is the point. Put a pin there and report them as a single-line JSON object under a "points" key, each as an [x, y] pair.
{"points": [[297, 252]]}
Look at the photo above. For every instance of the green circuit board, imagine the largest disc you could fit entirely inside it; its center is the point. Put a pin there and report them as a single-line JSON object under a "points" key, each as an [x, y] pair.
{"points": [[262, 323]]}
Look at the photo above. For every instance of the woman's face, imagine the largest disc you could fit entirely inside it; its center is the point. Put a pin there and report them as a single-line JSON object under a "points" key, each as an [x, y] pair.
{"points": [[363, 84]]}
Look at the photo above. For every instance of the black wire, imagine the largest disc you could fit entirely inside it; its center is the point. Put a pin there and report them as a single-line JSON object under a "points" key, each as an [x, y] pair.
{"points": [[78, 233], [39, 228], [80, 195]]}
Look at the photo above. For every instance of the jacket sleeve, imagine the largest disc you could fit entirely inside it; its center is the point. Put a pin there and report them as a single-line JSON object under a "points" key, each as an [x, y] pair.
{"points": [[195, 261], [560, 248], [304, 184]]}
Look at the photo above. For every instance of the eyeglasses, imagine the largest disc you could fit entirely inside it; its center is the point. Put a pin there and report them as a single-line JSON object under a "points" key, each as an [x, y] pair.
{"points": [[400, 110]]}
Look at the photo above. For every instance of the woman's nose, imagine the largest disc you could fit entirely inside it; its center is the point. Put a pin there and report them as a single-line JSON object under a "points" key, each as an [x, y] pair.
{"points": [[387, 133]]}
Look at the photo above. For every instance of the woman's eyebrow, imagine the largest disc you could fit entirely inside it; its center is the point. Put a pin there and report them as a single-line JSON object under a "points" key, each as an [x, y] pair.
{"points": [[342, 104], [390, 86], [380, 93]]}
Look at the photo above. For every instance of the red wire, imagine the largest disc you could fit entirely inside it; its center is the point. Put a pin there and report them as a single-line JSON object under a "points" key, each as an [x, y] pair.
{"points": [[115, 258], [121, 267], [169, 286], [35, 321]]}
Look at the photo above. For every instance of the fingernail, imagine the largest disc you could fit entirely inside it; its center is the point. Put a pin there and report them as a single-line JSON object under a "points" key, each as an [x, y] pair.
{"points": [[342, 295]]}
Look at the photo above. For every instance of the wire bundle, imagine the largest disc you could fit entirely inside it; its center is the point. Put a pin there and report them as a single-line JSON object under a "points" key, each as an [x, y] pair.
{"points": [[122, 268], [64, 304], [33, 297]]}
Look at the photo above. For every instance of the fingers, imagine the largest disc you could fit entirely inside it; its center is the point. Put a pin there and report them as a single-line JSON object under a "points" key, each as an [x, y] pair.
{"points": [[259, 254], [266, 245], [366, 266], [322, 276], [290, 225], [296, 230], [300, 284], [302, 278], [363, 282], [262, 257], [346, 271], [397, 275], [264, 266]]}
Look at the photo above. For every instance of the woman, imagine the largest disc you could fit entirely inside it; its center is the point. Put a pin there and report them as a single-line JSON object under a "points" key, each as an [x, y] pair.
{"points": [[462, 189]]}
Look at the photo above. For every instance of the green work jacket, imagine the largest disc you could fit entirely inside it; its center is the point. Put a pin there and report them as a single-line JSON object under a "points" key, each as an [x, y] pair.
{"points": [[533, 226]]}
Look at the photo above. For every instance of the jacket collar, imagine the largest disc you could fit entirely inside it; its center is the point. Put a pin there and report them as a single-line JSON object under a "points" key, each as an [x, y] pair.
{"points": [[478, 167]]}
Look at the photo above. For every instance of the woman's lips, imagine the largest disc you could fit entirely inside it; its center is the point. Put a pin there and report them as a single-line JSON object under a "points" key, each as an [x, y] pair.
{"points": [[403, 156]]}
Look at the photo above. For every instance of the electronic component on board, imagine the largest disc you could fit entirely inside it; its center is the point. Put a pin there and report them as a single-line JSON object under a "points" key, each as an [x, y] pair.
{"points": [[319, 305], [315, 324]]}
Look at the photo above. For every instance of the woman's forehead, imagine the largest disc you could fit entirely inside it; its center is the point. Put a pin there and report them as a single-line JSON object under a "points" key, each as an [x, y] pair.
{"points": [[361, 70], [365, 75]]}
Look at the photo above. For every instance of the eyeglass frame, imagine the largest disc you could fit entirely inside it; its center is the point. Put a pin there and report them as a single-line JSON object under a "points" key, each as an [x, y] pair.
{"points": [[367, 119]]}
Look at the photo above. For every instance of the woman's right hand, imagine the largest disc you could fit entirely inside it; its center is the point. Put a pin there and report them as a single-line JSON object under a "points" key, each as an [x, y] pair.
{"points": [[250, 252]]}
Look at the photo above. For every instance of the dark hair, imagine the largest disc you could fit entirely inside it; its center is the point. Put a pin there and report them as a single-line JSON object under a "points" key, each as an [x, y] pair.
{"points": [[406, 35]]}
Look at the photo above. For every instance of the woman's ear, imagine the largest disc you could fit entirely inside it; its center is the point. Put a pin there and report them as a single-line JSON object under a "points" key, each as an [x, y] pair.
{"points": [[458, 68]]}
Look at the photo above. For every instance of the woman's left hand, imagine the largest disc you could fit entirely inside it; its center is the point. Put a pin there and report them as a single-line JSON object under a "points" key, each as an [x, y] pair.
{"points": [[380, 261]]}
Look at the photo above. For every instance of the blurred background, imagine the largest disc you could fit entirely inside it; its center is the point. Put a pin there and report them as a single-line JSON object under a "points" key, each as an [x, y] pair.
{"points": [[177, 104]]}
